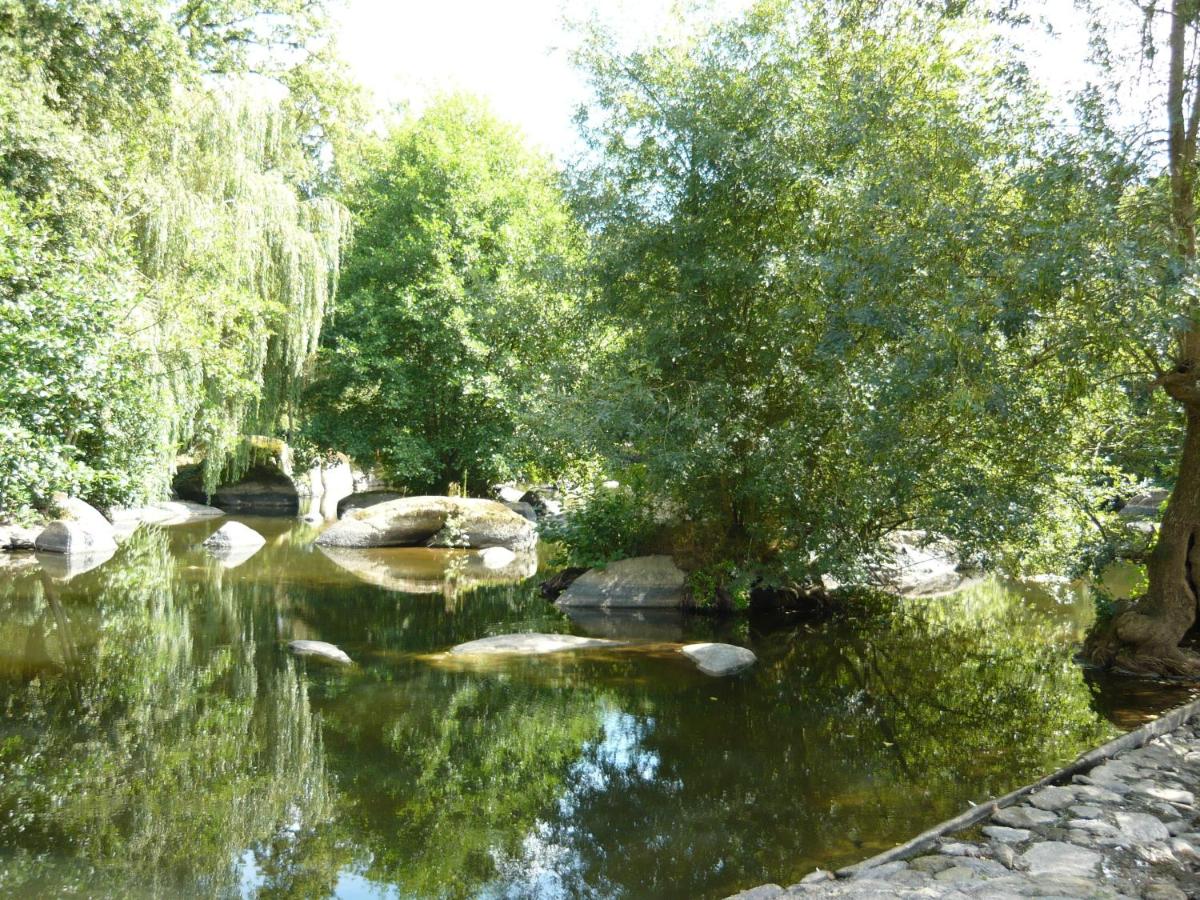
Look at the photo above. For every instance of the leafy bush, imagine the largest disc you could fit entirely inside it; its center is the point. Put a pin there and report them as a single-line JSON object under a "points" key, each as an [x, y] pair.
{"points": [[607, 524]]}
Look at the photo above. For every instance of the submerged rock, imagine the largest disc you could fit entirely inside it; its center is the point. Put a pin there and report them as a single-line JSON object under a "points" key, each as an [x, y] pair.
{"points": [[79, 528], [320, 650], [641, 582], [65, 566], [420, 521], [719, 659], [528, 645], [424, 570]]}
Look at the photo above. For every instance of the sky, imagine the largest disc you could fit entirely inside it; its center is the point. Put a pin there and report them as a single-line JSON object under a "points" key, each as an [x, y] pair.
{"points": [[516, 53]]}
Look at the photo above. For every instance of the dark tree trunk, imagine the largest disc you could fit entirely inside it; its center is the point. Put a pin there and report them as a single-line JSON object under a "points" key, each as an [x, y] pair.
{"points": [[1144, 637]]}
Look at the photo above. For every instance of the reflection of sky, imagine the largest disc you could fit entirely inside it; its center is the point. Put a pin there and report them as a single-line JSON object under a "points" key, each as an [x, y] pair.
{"points": [[350, 885], [550, 864]]}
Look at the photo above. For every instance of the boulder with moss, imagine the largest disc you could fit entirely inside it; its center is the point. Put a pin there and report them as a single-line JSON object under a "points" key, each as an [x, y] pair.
{"points": [[432, 521]]}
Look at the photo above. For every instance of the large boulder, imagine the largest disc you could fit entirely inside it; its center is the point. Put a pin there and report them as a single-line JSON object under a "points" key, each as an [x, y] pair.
{"points": [[719, 659], [1145, 504], [426, 521], [915, 566], [79, 529], [643, 582], [366, 499], [529, 645], [522, 509], [420, 570]]}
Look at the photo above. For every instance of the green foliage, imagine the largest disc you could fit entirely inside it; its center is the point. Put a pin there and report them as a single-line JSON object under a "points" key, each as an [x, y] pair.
{"points": [[457, 321], [604, 525], [862, 283], [166, 265]]}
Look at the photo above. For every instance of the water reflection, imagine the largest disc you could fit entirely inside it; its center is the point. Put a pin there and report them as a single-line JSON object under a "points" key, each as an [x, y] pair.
{"points": [[158, 739]]}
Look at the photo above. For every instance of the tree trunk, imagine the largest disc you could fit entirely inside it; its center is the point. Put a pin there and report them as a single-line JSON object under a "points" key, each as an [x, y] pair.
{"points": [[1144, 636]]}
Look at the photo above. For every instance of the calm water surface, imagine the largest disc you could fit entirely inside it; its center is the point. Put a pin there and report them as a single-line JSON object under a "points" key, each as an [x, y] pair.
{"points": [[158, 740]]}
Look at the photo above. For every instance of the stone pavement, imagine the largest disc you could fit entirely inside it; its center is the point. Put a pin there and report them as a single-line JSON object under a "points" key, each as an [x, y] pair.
{"points": [[1129, 827]]}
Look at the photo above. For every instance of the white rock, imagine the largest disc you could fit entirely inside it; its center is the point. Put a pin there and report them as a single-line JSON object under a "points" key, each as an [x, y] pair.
{"points": [[506, 493], [496, 557], [528, 645], [234, 534], [719, 659], [1058, 858], [319, 650]]}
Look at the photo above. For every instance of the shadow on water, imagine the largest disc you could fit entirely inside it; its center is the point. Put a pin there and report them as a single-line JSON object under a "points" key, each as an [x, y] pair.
{"points": [[157, 739]]}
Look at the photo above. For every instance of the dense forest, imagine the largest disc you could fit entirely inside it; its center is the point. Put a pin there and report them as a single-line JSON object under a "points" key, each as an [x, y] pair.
{"points": [[824, 270]]}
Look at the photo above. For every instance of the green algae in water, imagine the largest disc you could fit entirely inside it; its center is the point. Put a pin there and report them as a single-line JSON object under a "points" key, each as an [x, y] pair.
{"points": [[158, 739]]}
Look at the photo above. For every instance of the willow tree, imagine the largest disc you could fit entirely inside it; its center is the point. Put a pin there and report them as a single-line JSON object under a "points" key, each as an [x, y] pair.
{"points": [[1145, 636], [241, 267]]}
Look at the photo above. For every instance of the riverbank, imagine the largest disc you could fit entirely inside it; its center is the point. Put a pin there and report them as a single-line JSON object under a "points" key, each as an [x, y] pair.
{"points": [[1119, 822]]}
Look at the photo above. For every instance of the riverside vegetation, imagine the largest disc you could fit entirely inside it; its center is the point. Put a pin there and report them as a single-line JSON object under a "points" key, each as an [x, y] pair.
{"points": [[794, 321], [825, 270], [828, 282]]}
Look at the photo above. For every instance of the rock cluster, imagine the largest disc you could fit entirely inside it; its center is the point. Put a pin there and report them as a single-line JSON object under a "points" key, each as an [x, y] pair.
{"points": [[1128, 828]]}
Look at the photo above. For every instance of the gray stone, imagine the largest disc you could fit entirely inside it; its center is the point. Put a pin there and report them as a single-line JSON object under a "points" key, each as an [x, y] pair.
{"points": [[1163, 891], [19, 537], [960, 848], [719, 659], [762, 892], [524, 510], [506, 493], [1058, 858], [1023, 817], [1053, 798], [641, 582], [496, 557], [76, 538], [1097, 794], [1007, 835], [1093, 826], [1145, 504], [78, 529], [319, 650], [1141, 827], [425, 521], [1005, 855], [529, 645], [233, 535], [954, 874], [931, 864], [919, 567], [1085, 811], [366, 499], [1164, 792]]}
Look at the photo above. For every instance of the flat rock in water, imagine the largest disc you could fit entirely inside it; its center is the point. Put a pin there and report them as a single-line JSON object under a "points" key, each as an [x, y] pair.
{"points": [[642, 582], [233, 535], [319, 650], [719, 659], [168, 512], [528, 645], [426, 521]]}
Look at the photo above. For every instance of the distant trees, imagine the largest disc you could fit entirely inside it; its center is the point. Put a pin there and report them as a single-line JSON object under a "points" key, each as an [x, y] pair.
{"points": [[458, 318]]}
